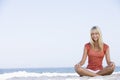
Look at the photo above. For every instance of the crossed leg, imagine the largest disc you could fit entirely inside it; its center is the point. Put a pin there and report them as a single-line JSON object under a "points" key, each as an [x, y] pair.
{"points": [[105, 71], [84, 72]]}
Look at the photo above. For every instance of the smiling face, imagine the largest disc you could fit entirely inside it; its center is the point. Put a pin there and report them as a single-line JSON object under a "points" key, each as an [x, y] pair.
{"points": [[95, 35]]}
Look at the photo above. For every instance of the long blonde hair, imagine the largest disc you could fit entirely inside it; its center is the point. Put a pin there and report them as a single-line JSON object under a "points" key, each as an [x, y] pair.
{"points": [[100, 41]]}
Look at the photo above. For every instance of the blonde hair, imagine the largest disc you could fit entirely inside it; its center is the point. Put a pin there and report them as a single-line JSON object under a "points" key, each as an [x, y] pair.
{"points": [[100, 41]]}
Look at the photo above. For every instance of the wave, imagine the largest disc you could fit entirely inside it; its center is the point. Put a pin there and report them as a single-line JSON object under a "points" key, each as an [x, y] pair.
{"points": [[28, 74], [23, 75]]}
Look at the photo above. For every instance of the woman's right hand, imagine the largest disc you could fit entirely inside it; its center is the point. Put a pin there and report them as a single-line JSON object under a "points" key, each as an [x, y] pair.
{"points": [[77, 65]]}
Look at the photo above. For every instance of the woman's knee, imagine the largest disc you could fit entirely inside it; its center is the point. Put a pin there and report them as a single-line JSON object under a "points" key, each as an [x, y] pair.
{"points": [[111, 68]]}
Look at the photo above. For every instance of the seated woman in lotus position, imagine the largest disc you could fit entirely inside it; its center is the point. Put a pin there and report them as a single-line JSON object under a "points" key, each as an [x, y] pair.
{"points": [[95, 50]]}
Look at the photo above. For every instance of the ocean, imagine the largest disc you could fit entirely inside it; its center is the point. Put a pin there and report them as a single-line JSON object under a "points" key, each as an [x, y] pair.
{"points": [[51, 74]]}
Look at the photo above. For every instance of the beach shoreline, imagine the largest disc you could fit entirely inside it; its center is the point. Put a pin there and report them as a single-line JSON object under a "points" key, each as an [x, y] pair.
{"points": [[22, 75]]}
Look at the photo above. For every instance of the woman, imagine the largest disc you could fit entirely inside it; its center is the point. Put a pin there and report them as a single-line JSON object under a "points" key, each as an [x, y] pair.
{"points": [[95, 50]]}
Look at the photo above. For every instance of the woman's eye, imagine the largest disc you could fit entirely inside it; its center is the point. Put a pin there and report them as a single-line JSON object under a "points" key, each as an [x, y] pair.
{"points": [[94, 33]]}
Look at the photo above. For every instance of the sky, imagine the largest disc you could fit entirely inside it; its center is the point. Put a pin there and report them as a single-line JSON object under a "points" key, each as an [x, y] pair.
{"points": [[52, 33]]}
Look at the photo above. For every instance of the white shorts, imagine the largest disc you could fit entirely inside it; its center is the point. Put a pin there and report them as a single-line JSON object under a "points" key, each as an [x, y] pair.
{"points": [[93, 70]]}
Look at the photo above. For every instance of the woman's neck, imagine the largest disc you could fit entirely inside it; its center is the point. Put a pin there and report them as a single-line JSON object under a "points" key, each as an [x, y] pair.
{"points": [[96, 44]]}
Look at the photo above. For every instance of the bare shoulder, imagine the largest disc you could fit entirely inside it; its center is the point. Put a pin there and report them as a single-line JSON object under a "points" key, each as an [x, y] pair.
{"points": [[87, 45], [106, 45]]}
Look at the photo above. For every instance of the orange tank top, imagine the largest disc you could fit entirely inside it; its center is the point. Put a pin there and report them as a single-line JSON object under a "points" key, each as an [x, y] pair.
{"points": [[95, 58]]}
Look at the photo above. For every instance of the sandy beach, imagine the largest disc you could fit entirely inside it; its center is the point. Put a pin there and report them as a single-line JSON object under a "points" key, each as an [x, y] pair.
{"points": [[55, 76]]}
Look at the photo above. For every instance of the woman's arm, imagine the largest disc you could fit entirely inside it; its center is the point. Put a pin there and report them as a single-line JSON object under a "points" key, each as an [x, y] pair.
{"points": [[107, 55], [109, 62], [83, 57]]}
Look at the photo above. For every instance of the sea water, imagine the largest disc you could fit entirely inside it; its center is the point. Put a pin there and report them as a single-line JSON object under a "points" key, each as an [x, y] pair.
{"points": [[51, 74]]}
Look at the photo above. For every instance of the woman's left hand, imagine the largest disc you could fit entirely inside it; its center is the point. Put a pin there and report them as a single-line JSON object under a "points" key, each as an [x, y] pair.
{"points": [[112, 64]]}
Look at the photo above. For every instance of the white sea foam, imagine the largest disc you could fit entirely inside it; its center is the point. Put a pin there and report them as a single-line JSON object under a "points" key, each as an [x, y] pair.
{"points": [[23, 75], [26, 74]]}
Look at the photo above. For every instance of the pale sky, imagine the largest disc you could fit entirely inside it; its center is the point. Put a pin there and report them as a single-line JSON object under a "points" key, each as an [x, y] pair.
{"points": [[52, 33]]}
